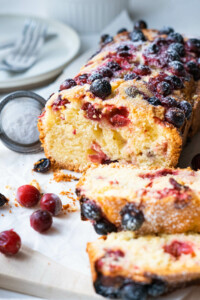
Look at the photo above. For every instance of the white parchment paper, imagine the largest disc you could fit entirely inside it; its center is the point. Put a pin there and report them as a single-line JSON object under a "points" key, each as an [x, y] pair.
{"points": [[66, 241]]}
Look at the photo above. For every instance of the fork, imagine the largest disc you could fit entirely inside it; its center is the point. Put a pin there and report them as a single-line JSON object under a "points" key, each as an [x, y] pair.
{"points": [[27, 48]]}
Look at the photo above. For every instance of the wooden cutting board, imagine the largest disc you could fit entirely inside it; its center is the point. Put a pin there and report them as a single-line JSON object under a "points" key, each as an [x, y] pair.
{"points": [[32, 273]]}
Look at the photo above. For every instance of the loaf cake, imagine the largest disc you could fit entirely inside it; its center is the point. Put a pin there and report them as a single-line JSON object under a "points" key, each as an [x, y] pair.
{"points": [[119, 197], [135, 101], [132, 267]]}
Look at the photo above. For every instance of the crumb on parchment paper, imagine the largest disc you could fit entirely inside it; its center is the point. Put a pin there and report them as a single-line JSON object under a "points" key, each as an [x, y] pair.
{"points": [[61, 176], [69, 207]]}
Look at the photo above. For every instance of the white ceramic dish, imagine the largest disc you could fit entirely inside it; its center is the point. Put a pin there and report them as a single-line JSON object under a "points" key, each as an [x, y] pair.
{"points": [[52, 59]]}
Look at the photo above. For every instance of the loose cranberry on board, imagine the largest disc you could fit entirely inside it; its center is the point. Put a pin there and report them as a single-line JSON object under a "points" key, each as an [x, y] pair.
{"points": [[41, 220], [52, 203], [10, 242], [28, 195]]}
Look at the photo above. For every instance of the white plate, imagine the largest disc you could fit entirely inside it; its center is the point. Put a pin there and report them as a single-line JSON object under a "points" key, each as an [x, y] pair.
{"points": [[53, 58]]}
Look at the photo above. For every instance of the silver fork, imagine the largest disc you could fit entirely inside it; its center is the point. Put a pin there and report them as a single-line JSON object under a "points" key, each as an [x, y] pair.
{"points": [[27, 48]]}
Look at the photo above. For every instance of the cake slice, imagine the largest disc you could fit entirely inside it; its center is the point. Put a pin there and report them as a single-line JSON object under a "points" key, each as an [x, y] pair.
{"points": [[135, 101], [119, 197], [132, 267]]}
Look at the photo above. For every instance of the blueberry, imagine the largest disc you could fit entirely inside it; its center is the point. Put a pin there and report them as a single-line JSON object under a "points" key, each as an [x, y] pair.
{"points": [[103, 227], [166, 30], [42, 166], [177, 67], [90, 210], [175, 37], [134, 291], [196, 162], [3, 200], [132, 218], [67, 84], [131, 76], [163, 88], [113, 65], [186, 107], [121, 30], [193, 45], [95, 76], [157, 288], [154, 101], [132, 91], [101, 88], [123, 48], [175, 116], [174, 81], [137, 35], [193, 69], [140, 24], [143, 70], [173, 55], [177, 47], [169, 102], [106, 291], [106, 72], [106, 38], [153, 49]]}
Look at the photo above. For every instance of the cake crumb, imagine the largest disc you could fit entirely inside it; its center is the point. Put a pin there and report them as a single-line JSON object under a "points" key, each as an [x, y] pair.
{"points": [[8, 187], [61, 176], [35, 184], [2, 215], [70, 207]]}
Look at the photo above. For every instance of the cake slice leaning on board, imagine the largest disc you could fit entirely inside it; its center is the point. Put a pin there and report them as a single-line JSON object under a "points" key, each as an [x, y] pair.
{"points": [[135, 101]]}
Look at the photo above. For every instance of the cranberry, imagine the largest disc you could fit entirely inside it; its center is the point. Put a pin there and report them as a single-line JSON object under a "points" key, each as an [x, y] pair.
{"points": [[121, 30], [124, 53], [153, 49], [157, 288], [113, 65], [154, 101], [175, 37], [51, 203], [177, 67], [186, 107], [193, 45], [142, 70], [134, 291], [28, 195], [118, 117], [90, 210], [140, 24], [166, 30], [42, 166], [131, 76], [106, 38], [81, 79], [196, 162], [163, 88], [103, 227], [3, 200], [169, 102], [106, 72], [174, 81], [177, 248], [132, 218], [175, 116], [173, 55], [193, 69], [95, 76], [41, 220], [137, 36], [67, 84], [178, 47], [101, 88], [10, 242], [92, 112]]}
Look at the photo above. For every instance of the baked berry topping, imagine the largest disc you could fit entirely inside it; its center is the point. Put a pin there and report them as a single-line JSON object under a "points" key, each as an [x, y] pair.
{"points": [[52, 203], [106, 38], [176, 185], [10, 242], [92, 113], [103, 227], [157, 288], [196, 162], [154, 101], [131, 76], [121, 30], [28, 195], [175, 37], [99, 157], [142, 70], [42, 166], [140, 24], [177, 68], [108, 286], [164, 88], [137, 36], [132, 218], [193, 69], [175, 116], [175, 82], [95, 76], [101, 88], [158, 173], [106, 72], [193, 45], [177, 248], [118, 117], [132, 91], [59, 101], [81, 79], [123, 48], [3, 200], [153, 49], [166, 30], [134, 291], [67, 84], [173, 55], [41, 220], [186, 107], [178, 47], [113, 65], [89, 210], [169, 102]]}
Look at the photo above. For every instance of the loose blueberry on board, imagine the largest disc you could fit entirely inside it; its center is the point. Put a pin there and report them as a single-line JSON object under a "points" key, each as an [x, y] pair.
{"points": [[42, 166], [113, 65], [178, 47], [140, 24], [169, 102], [177, 67], [164, 88], [95, 76], [132, 218], [67, 84], [101, 88], [175, 82], [104, 227], [121, 30], [3, 200], [175, 37], [27, 195], [10, 242], [52, 203], [134, 291], [175, 116], [193, 45], [157, 288], [186, 107], [137, 36], [154, 101], [106, 38], [41, 220], [166, 30], [196, 162], [90, 210]]}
